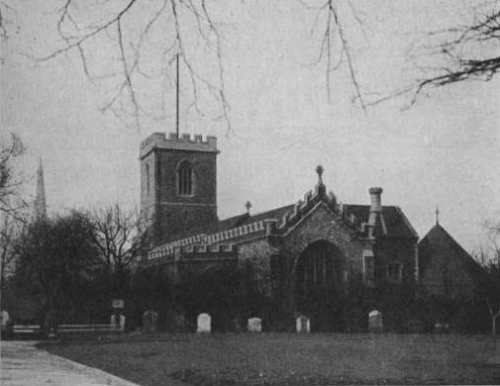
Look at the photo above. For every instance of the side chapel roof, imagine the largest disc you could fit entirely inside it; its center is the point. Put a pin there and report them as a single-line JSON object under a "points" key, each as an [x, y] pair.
{"points": [[438, 243]]}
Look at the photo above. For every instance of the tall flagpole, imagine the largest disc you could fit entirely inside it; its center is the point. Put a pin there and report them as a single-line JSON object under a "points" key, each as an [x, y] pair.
{"points": [[177, 97]]}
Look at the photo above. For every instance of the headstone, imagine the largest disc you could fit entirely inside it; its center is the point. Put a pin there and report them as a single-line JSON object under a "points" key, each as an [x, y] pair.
{"points": [[237, 325], [303, 324], [122, 322], [375, 322], [254, 325], [5, 318], [150, 321], [204, 323], [179, 322], [118, 303], [441, 327]]}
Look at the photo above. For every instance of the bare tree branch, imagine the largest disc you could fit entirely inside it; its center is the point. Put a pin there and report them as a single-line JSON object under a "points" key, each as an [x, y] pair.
{"points": [[334, 34], [80, 35], [466, 52]]}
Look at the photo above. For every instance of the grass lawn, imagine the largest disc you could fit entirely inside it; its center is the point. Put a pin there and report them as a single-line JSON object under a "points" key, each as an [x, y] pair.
{"points": [[291, 359]]}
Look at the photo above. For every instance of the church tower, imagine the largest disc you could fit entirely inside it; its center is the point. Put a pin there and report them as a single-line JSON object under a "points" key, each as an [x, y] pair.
{"points": [[40, 205], [178, 185]]}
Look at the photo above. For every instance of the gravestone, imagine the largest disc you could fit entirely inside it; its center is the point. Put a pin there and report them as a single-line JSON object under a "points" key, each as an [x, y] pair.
{"points": [[204, 323], [375, 322], [114, 321], [179, 322], [122, 322], [303, 324], [441, 328], [5, 319], [237, 325], [150, 321], [254, 325]]}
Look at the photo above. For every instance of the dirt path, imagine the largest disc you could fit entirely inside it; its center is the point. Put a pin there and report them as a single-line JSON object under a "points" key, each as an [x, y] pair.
{"points": [[22, 364]]}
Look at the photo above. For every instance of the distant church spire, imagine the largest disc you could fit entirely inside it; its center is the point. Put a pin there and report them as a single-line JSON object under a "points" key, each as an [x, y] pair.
{"points": [[40, 205], [437, 215]]}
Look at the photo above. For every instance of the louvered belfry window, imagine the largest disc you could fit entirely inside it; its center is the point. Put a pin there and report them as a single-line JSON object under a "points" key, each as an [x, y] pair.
{"points": [[185, 179]]}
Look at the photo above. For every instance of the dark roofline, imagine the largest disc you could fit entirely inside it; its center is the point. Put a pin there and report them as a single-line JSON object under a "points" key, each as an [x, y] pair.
{"points": [[455, 244]]}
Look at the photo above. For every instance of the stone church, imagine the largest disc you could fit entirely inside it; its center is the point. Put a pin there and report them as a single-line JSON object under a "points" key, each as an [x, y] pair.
{"points": [[301, 254]]}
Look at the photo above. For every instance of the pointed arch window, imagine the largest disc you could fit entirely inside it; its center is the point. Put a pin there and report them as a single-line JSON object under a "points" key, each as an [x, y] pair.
{"points": [[185, 179]]}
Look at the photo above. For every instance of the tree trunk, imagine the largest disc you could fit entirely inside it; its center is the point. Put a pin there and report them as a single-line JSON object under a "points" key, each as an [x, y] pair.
{"points": [[494, 325]]}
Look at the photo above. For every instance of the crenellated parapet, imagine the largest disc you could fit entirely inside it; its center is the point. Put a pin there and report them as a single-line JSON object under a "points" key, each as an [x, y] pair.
{"points": [[210, 242], [183, 142], [192, 253]]}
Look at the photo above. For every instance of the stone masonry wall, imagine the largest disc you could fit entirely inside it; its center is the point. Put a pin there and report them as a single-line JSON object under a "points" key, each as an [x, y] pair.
{"points": [[400, 251], [322, 224], [179, 215]]}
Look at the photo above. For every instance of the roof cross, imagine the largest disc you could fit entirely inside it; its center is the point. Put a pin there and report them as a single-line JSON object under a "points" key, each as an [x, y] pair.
{"points": [[320, 170], [248, 205]]}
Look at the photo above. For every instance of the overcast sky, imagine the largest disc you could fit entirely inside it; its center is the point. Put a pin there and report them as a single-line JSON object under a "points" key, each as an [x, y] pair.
{"points": [[444, 151]]}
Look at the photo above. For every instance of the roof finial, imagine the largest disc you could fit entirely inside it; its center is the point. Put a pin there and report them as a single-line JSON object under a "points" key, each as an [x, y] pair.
{"points": [[437, 215], [248, 205], [320, 187], [320, 170]]}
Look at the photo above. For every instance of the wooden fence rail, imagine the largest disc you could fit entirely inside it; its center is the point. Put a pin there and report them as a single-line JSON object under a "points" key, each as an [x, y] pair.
{"points": [[34, 329]]}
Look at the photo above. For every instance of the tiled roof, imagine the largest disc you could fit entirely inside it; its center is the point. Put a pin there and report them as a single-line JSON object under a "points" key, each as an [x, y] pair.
{"points": [[437, 241], [393, 224], [396, 223], [245, 218]]}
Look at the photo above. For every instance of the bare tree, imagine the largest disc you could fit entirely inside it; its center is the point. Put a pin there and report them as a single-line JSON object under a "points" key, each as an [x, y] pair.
{"points": [[119, 237], [10, 229], [494, 316], [489, 258], [467, 52], [10, 200], [5, 8]]}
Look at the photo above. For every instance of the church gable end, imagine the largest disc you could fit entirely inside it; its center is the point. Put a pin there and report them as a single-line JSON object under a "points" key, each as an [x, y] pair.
{"points": [[446, 268]]}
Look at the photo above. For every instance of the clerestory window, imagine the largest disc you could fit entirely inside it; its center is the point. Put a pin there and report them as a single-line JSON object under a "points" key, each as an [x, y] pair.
{"points": [[185, 179]]}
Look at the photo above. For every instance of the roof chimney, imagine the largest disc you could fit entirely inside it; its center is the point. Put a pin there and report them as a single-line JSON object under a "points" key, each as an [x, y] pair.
{"points": [[376, 199], [375, 209]]}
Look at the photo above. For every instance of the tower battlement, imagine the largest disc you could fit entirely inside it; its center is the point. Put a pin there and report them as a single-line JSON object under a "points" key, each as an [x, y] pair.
{"points": [[184, 142]]}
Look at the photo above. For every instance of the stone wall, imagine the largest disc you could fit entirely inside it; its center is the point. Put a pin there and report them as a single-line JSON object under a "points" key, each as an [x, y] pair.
{"points": [[401, 251], [323, 224]]}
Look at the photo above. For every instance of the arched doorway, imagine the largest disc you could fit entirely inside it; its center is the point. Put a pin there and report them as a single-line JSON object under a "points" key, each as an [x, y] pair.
{"points": [[318, 285]]}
